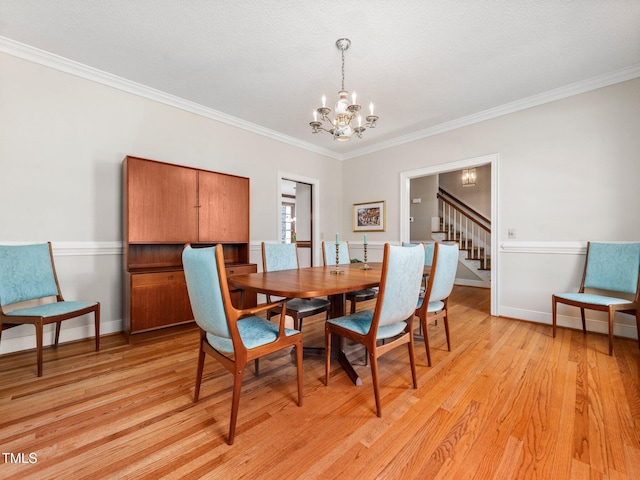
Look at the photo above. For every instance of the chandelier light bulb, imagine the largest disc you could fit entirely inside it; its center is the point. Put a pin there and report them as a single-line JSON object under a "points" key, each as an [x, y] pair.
{"points": [[371, 108], [324, 101], [353, 98]]}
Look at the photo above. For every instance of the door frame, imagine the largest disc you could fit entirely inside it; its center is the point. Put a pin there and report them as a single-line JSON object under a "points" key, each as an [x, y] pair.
{"points": [[315, 211], [405, 227]]}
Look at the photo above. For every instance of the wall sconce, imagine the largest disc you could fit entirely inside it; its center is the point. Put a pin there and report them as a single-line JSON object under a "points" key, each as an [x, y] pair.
{"points": [[469, 177]]}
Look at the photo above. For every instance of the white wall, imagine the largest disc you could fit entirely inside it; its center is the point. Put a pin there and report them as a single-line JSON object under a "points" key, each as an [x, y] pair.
{"points": [[568, 173], [477, 196], [62, 141], [425, 189]]}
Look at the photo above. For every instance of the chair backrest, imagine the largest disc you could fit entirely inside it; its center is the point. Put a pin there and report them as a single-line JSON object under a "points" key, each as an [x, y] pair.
{"points": [[201, 271], [279, 256], [443, 272], [329, 253], [428, 251], [612, 266], [400, 283], [26, 273]]}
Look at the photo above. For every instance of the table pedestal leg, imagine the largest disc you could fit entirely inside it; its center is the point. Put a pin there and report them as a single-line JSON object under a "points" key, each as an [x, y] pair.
{"points": [[337, 342]]}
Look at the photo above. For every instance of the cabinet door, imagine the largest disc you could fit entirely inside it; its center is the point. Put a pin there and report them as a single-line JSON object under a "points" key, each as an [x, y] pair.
{"points": [[159, 300], [224, 208], [161, 202]]}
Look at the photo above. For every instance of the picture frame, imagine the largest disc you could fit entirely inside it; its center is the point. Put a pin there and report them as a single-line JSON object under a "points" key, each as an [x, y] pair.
{"points": [[369, 217]]}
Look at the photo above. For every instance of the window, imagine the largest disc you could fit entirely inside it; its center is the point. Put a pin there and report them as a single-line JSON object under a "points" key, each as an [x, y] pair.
{"points": [[288, 211]]}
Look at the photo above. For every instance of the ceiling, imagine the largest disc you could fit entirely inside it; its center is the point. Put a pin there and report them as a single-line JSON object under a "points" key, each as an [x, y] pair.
{"points": [[264, 65]]}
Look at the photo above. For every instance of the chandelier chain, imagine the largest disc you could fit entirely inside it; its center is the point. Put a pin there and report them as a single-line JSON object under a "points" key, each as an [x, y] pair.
{"points": [[343, 69]]}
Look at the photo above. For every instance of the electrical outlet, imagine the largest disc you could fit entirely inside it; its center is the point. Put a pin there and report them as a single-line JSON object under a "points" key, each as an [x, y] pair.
{"points": [[411, 219], [511, 233]]}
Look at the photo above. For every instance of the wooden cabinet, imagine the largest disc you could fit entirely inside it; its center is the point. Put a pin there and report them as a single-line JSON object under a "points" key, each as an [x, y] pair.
{"points": [[164, 207]]}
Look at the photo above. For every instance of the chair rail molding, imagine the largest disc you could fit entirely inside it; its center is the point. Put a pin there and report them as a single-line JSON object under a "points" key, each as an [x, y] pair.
{"points": [[73, 249], [544, 247]]}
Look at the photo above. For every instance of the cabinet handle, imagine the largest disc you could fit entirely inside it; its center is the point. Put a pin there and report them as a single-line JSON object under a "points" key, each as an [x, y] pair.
{"points": [[231, 272], [169, 277]]}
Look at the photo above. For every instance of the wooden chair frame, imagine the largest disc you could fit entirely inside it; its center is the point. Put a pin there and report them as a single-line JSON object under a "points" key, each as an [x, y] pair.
{"points": [[353, 297], [433, 317], [632, 308], [8, 321], [374, 350], [295, 314], [237, 362]]}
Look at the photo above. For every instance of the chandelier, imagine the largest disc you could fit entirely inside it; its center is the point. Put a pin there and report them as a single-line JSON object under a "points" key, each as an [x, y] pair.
{"points": [[346, 115]]}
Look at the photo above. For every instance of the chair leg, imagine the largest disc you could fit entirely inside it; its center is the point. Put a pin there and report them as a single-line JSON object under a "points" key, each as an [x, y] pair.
{"points": [[412, 359], [235, 402], [584, 324], [374, 380], [446, 330], [55, 343], [425, 335], [256, 367], [554, 306], [201, 355], [637, 325], [299, 371], [39, 347], [611, 315], [353, 306], [327, 349], [96, 317]]}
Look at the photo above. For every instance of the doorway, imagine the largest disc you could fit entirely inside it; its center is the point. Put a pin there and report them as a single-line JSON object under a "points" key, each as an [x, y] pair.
{"points": [[297, 218], [405, 211]]}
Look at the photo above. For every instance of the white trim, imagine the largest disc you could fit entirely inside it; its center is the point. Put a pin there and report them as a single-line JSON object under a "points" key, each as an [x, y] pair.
{"points": [[11, 344], [73, 249], [405, 227], [600, 81], [41, 57], [32, 54], [564, 248], [593, 325]]}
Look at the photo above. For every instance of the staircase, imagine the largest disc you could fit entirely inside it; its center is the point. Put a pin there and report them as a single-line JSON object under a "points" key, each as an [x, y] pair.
{"points": [[472, 232]]}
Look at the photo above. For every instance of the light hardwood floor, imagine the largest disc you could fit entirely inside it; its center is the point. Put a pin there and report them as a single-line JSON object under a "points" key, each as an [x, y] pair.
{"points": [[508, 402]]}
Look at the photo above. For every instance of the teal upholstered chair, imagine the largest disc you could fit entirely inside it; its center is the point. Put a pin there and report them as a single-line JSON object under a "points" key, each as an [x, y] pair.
{"points": [[392, 318], [284, 256], [344, 258], [611, 272], [28, 274], [231, 336], [435, 303], [428, 256]]}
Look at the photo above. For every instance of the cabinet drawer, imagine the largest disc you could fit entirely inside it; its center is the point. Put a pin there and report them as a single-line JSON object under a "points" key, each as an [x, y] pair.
{"points": [[160, 278], [240, 269]]}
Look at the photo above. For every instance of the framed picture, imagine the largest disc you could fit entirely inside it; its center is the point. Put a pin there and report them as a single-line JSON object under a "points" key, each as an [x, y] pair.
{"points": [[369, 217]]}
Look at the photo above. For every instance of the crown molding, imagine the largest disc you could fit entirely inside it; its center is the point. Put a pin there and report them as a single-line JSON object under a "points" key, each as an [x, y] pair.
{"points": [[32, 54], [41, 57], [600, 81]]}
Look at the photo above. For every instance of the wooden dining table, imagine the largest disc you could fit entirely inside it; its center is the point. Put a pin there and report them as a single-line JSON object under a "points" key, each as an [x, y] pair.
{"points": [[316, 282]]}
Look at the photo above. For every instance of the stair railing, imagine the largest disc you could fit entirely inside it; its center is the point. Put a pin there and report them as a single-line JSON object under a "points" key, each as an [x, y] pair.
{"points": [[466, 226]]}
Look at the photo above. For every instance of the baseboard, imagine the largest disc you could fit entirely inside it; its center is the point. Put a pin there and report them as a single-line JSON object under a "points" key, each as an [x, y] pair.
{"points": [[593, 325], [27, 341]]}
